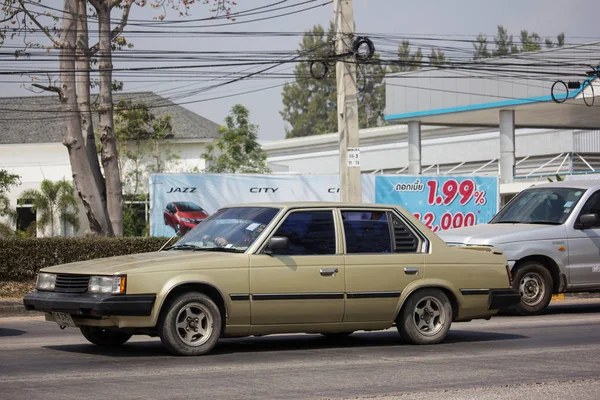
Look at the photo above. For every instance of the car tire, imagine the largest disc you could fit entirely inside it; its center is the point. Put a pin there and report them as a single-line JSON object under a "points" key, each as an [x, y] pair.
{"points": [[425, 317], [104, 337], [337, 335], [191, 325], [534, 282]]}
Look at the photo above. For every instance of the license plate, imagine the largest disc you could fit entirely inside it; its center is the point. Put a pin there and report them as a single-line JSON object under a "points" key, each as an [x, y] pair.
{"points": [[64, 320]]}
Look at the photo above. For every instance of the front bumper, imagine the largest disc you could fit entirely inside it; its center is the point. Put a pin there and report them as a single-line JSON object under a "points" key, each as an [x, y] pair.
{"points": [[503, 299], [91, 305]]}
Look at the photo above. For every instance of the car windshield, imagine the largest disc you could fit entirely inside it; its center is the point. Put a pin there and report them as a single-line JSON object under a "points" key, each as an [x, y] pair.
{"points": [[550, 206], [187, 206], [229, 229]]}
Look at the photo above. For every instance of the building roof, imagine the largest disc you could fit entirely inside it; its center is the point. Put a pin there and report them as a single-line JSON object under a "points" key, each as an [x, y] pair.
{"points": [[40, 119], [471, 94]]}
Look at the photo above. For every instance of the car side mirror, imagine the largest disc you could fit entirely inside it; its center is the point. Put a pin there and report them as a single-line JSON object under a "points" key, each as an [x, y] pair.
{"points": [[589, 221], [277, 243]]}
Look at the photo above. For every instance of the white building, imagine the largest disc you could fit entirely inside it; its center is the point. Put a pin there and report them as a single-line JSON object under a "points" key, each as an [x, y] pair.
{"points": [[32, 130], [468, 119]]}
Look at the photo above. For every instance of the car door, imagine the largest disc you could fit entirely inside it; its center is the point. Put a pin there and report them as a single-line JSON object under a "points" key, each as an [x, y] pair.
{"points": [[305, 283], [584, 247], [169, 215], [382, 257]]}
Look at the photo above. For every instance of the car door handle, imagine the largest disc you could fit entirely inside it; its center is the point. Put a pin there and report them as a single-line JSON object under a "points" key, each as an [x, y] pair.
{"points": [[328, 271], [411, 271]]}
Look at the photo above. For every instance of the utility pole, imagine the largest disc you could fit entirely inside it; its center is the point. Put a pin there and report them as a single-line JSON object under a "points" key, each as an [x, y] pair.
{"points": [[347, 103]]}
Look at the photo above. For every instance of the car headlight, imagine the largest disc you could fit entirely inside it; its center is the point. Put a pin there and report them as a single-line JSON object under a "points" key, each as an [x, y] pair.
{"points": [[107, 284], [45, 281], [187, 220]]}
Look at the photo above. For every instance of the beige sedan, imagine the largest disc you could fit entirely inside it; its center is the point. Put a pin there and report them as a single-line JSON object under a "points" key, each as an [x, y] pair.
{"points": [[256, 269]]}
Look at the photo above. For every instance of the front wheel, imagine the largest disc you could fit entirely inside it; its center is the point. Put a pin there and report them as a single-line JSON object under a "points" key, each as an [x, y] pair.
{"points": [[425, 317], [104, 337], [534, 283], [191, 325]]}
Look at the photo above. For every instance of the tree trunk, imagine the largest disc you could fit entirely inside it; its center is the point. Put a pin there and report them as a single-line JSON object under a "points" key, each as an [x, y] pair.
{"points": [[110, 162], [83, 96], [80, 166]]}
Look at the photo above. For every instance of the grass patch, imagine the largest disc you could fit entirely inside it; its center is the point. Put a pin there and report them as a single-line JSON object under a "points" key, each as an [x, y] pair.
{"points": [[10, 290]]}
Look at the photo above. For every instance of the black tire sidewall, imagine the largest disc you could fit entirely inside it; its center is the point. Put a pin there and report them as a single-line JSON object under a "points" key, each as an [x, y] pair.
{"points": [[544, 273], [169, 336], [406, 325]]}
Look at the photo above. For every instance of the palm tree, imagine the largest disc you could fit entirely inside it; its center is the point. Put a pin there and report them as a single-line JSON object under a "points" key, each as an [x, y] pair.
{"points": [[6, 211], [53, 200]]}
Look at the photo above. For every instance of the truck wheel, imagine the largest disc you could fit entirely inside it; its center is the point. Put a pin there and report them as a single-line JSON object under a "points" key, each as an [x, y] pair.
{"points": [[104, 337], [534, 282], [191, 326], [425, 317]]}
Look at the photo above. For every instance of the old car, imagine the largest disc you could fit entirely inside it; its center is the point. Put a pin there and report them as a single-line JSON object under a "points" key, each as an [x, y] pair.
{"points": [[550, 234], [257, 269], [183, 216]]}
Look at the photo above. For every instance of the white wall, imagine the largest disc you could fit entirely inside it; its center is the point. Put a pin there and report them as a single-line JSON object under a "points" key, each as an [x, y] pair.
{"points": [[445, 150], [39, 161]]}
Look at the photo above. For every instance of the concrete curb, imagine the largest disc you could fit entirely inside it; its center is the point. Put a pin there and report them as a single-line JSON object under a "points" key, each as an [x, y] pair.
{"points": [[15, 308]]}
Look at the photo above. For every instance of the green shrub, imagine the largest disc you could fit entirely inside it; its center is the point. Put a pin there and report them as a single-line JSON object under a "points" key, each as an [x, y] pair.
{"points": [[22, 258]]}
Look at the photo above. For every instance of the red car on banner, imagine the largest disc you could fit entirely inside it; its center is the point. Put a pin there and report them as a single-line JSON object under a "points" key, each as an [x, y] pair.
{"points": [[182, 216]]}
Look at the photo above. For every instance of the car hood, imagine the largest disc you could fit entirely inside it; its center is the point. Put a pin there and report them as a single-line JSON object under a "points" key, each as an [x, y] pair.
{"points": [[145, 262], [494, 234]]}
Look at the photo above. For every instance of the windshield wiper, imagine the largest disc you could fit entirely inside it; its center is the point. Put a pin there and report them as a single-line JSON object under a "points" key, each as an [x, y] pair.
{"points": [[185, 247], [223, 249], [508, 222], [545, 223]]}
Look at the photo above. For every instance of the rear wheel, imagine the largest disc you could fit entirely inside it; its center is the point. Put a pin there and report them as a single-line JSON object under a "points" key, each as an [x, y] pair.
{"points": [[191, 325], [534, 283], [104, 337], [425, 317]]}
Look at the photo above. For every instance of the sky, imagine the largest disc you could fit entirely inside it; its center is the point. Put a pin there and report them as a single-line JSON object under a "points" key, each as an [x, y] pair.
{"points": [[456, 19]]}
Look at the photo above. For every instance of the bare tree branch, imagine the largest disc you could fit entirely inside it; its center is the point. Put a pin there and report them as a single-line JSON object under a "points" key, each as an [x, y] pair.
{"points": [[57, 43], [47, 88], [13, 15], [119, 28]]}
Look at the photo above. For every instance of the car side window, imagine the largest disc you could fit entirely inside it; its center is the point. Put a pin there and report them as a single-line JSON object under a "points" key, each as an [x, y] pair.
{"points": [[366, 231], [309, 233], [592, 205], [405, 241]]}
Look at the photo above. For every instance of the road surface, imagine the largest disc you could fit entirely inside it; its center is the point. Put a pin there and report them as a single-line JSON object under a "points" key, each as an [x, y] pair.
{"points": [[545, 356]]}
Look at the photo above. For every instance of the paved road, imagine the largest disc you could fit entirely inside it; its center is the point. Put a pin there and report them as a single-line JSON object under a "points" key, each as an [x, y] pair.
{"points": [[505, 358]]}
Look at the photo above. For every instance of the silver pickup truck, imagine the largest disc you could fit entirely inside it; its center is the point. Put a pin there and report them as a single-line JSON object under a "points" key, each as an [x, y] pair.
{"points": [[550, 233]]}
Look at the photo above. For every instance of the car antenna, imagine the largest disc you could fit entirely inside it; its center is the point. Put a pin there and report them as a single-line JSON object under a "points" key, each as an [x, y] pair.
{"points": [[168, 241]]}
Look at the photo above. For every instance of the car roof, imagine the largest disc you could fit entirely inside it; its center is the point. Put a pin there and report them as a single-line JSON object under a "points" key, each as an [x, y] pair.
{"points": [[579, 184], [314, 204]]}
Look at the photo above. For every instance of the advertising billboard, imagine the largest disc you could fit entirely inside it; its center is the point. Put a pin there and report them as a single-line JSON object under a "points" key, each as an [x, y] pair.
{"points": [[178, 202], [442, 202], [181, 201]]}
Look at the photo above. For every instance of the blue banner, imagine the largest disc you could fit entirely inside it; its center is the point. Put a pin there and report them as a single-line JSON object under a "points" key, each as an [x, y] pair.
{"points": [[441, 202]]}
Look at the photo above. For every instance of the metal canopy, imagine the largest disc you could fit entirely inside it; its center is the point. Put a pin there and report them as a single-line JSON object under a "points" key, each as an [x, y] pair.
{"points": [[473, 94]]}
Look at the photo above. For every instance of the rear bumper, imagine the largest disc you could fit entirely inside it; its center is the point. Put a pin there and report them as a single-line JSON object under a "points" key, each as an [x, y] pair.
{"points": [[91, 305], [503, 299]]}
